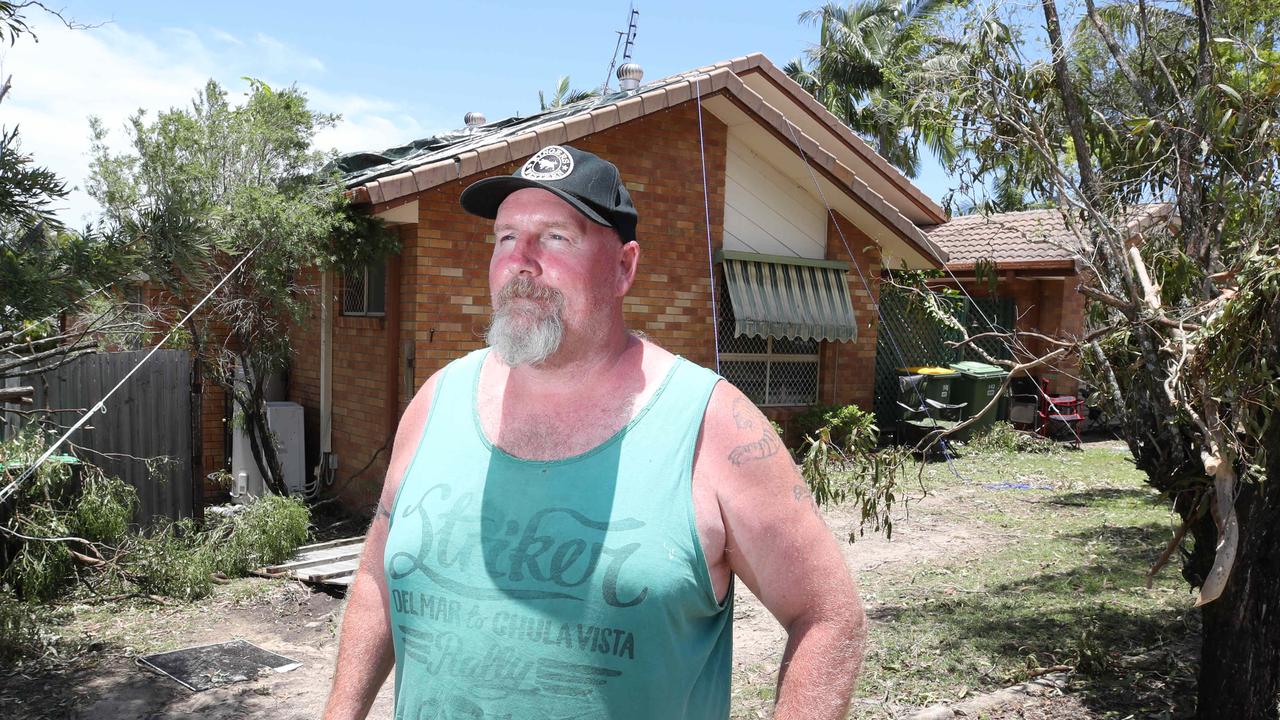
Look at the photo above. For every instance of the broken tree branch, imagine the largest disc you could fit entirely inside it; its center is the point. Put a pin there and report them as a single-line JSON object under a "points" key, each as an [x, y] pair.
{"points": [[1176, 541]]}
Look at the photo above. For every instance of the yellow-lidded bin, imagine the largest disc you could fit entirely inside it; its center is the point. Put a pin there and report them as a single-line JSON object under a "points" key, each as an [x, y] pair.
{"points": [[937, 387]]}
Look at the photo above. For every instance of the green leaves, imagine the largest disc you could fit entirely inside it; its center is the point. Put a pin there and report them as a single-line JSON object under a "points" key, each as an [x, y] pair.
{"points": [[863, 69], [44, 271], [200, 188], [563, 95]]}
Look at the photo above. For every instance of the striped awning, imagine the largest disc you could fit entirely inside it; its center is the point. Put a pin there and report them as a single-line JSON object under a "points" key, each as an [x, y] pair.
{"points": [[788, 297]]}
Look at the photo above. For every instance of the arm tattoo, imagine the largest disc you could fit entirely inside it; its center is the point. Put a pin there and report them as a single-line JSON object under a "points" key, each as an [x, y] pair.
{"points": [[802, 495], [747, 417], [383, 512]]}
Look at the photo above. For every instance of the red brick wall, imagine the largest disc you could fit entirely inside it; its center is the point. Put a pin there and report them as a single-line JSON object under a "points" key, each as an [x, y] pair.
{"points": [[445, 274], [304, 368], [848, 370], [362, 422], [1065, 309]]}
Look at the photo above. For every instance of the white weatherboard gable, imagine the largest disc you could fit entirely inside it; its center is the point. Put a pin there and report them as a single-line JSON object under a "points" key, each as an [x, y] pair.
{"points": [[766, 211]]}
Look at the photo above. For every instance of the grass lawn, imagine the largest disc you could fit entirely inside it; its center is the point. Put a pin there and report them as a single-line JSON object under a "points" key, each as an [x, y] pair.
{"points": [[1058, 580]]}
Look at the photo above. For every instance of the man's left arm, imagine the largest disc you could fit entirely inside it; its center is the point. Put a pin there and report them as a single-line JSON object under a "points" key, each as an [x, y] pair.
{"points": [[778, 544]]}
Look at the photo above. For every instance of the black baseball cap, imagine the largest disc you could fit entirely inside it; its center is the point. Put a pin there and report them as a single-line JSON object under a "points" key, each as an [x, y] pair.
{"points": [[591, 185]]}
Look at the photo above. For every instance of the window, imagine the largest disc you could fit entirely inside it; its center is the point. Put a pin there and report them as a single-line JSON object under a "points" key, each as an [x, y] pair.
{"points": [[774, 314], [364, 292], [769, 370]]}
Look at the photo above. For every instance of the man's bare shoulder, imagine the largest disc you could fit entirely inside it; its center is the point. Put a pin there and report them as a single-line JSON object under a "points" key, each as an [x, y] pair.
{"points": [[420, 406], [654, 357], [736, 436]]}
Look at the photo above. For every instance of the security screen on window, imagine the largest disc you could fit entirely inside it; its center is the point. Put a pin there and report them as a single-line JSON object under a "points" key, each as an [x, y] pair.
{"points": [[770, 371], [364, 292]]}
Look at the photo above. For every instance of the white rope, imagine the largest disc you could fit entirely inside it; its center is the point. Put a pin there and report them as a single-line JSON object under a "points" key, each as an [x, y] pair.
{"points": [[12, 487], [706, 206]]}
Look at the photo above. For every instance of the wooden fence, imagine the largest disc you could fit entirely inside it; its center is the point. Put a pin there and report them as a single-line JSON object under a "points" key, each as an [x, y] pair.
{"points": [[144, 435]]}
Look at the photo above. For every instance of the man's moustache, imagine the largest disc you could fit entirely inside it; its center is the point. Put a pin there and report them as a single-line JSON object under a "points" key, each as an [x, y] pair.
{"points": [[527, 289]]}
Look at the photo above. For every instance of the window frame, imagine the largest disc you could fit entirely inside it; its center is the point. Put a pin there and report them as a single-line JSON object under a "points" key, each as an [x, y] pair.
{"points": [[772, 360], [364, 305]]}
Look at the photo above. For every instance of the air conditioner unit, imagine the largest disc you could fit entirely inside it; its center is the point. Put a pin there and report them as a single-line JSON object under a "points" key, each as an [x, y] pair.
{"points": [[285, 422]]}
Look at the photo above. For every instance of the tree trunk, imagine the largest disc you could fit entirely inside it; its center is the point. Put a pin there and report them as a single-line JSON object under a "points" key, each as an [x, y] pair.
{"points": [[1240, 656], [263, 447]]}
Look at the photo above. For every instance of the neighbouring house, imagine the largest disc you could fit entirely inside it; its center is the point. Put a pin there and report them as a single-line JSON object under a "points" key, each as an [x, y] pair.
{"points": [[1027, 267], [787, 189]]}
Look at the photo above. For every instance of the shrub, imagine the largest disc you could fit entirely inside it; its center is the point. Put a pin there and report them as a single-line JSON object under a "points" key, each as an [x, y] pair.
{"points": [[175, 560], [66, 524], [839, 462], [848, 426], [179, 559], [265, 534], [105, 508], [20, 630]]}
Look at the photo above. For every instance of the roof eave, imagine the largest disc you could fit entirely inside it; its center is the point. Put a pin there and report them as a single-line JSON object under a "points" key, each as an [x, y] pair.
{"points": [[1060, 264]]}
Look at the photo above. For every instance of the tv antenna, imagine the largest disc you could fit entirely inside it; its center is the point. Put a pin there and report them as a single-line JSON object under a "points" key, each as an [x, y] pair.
{"points": [[626, 41]]}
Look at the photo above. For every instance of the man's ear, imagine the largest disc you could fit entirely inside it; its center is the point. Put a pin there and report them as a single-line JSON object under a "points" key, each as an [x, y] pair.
{"points": [[628, 262]]}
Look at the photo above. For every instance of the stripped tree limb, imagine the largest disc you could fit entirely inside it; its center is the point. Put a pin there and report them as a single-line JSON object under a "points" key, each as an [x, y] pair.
{"points": [[23, 394], [1175, 542]]}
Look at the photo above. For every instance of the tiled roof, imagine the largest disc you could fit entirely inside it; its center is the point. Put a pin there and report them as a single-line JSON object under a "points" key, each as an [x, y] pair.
{"points": [[424, 163], [1039, 237], [383, 178]]}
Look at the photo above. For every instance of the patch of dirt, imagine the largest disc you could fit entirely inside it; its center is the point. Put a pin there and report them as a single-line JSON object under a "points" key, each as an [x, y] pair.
{"points": [[107, 683], [1060, 707], [928, 529]]}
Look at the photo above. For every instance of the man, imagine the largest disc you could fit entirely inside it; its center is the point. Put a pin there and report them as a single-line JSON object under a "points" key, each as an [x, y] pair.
{"points": [[565, 510]]}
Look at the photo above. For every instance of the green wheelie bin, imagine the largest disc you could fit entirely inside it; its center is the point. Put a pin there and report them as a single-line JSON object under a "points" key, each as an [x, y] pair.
{"points": [[976, 385]]}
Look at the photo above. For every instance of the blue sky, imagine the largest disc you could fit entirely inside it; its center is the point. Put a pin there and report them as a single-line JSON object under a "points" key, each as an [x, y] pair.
{"points": [[394, 70]]}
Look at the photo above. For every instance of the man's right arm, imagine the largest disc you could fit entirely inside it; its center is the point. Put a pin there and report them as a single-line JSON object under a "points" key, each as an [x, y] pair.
{"points": [[365, 651]]}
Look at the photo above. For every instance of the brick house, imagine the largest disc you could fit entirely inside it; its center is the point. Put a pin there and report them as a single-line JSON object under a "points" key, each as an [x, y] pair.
{"points": [[1037, 266], [775, 162]]}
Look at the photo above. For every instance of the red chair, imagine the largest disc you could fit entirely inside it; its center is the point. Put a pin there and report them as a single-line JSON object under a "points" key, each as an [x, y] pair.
{"points": [[1059, 410]]}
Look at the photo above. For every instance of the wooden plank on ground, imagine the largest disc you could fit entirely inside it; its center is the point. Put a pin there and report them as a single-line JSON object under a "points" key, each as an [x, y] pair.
{"points": [[328, 563], [318, 557]]}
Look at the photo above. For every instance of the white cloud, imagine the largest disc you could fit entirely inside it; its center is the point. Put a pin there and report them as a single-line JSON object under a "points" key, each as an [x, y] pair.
{"points": [[225, 37], [111, 72], [367, 123], [282, 57]]}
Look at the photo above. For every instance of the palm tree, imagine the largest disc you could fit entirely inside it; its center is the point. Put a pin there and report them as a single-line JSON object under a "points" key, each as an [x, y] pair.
{"points": [[858, 71], [564, 96]]}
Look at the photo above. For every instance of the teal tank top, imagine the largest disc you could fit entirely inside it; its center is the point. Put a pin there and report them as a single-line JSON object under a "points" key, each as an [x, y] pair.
{"points": [[575, 588]]}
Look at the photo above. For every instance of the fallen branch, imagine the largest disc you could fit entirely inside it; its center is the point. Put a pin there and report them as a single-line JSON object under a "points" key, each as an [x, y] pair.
{"points": [[1128, 309], [1176, 540], [935, 435], [91, 562], [23, 394], [1037, 672]]}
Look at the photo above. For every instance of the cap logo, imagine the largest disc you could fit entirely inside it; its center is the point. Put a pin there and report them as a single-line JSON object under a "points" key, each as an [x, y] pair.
{"points": [[550, 163]]}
